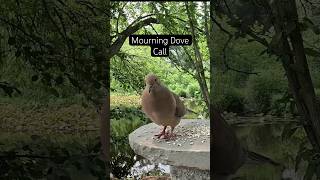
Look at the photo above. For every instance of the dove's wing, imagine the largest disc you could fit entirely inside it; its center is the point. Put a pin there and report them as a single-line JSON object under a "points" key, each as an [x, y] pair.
{"points": [[180, 108]]}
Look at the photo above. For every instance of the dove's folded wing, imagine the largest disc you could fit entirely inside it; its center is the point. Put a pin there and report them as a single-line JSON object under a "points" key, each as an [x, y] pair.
{"points": [[180, 108]]}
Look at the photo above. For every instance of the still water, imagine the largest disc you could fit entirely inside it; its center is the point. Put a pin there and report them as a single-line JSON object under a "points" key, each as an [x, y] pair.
{"points": [[266, 139]]}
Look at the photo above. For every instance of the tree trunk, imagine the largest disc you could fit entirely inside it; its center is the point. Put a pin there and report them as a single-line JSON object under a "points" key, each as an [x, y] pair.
{"points": [[198, 58], [295, 64], [104, 112], [104, 115]]}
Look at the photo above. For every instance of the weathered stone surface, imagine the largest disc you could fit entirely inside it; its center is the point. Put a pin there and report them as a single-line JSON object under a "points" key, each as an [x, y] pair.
{"points": [[183, 173], [156, 178], [191, 148]]}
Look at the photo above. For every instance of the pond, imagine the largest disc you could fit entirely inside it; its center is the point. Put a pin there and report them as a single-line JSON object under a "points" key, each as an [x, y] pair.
{"points": [[266, 139], [261, 137]]}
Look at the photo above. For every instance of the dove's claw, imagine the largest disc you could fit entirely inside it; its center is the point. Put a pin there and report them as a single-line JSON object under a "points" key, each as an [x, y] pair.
{"points": [[159, 135], [162, 133]]}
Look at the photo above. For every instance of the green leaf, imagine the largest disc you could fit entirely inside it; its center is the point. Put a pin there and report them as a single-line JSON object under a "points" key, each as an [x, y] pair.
{"points": [[308, 24], [312, 52], [35, 137], [309, 172], [74, 82], [263, 52], [307, 20], [54, 92], [316, 29], [18, 53], [34, 77], [11, 41], [59, 80], [85, 105]]}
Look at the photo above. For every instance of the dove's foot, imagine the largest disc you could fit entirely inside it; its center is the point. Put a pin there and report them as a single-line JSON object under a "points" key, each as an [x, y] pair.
{"points": [[161, 134], [166, 135]]}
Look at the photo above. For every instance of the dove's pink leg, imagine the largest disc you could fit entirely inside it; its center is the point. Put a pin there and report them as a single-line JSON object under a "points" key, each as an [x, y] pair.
{"points": [[162, 133], [170, 135]]}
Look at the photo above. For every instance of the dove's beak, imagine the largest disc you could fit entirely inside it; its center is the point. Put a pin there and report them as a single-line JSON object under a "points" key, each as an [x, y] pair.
{"points": [[150, 88]]}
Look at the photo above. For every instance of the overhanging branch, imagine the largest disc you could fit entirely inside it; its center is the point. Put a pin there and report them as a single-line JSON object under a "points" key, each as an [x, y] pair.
{"points": [[115, 47], [224, 58], [230, 36]]}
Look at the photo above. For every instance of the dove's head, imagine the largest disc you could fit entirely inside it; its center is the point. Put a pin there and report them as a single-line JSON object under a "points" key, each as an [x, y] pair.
{"points": [[152, 81]]}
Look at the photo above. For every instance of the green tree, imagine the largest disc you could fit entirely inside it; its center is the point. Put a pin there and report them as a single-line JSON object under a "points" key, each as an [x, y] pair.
{"points": [[68, 41], [258, 20]]}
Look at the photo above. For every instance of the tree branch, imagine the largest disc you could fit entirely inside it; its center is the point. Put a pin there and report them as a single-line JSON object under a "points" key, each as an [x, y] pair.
{"points": [[224, 58], [219, 25], [115, 47], [250, 33]]}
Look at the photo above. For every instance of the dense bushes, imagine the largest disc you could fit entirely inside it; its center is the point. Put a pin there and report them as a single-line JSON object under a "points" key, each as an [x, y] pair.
{"points": [[231, 100], [124, 120], [261, 89], [39, 157], [260, 93], [122, 156]]}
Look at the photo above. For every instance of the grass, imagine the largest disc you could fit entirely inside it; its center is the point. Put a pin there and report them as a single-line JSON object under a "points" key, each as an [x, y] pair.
{"points": [[68, 118], [18, 115], [124, 100], [47, 119]]}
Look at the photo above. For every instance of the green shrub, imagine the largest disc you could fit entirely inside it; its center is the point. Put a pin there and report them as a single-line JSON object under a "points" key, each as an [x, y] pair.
{"points": [[122, 156], [283, 103], [260, 89], [61, 157], [231, 100], [193, 90], [182, 93], [124, 120], [128, 113]]}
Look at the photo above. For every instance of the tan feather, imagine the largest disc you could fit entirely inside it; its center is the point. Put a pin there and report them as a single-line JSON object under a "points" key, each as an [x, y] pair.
{"points": [[161, 105]]}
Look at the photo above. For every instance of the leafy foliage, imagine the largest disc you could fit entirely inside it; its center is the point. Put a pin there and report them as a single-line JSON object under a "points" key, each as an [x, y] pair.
{"points": [[312, 157], [60, 41], [231, 100], [8, 89], [48, 119], [39, 157], [122, 155], [261, 89]]}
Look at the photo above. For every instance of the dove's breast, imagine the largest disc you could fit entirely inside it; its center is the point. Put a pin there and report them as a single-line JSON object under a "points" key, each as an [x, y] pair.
{"points": [[159, 106]]}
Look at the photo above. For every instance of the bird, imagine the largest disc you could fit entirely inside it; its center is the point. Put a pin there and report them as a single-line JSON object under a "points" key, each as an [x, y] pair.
{"points": [[228, 153], [161, 105]]}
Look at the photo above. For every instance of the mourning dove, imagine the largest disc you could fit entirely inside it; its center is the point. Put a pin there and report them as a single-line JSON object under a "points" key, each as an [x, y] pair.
{"points": [[161, 105]]}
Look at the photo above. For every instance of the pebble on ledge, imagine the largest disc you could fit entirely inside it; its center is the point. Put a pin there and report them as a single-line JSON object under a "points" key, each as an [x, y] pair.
{"points": [[189, 151]]}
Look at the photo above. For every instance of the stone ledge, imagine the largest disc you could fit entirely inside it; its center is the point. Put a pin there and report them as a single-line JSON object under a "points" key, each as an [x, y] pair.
{"points": [[190, 149]]}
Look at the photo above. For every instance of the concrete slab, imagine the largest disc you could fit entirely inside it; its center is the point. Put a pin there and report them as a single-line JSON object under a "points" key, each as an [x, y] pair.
{"points": [[190, 149]]}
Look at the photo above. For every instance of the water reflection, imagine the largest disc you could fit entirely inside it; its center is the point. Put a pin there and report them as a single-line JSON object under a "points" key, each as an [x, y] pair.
{"points": [[266, 139]]}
